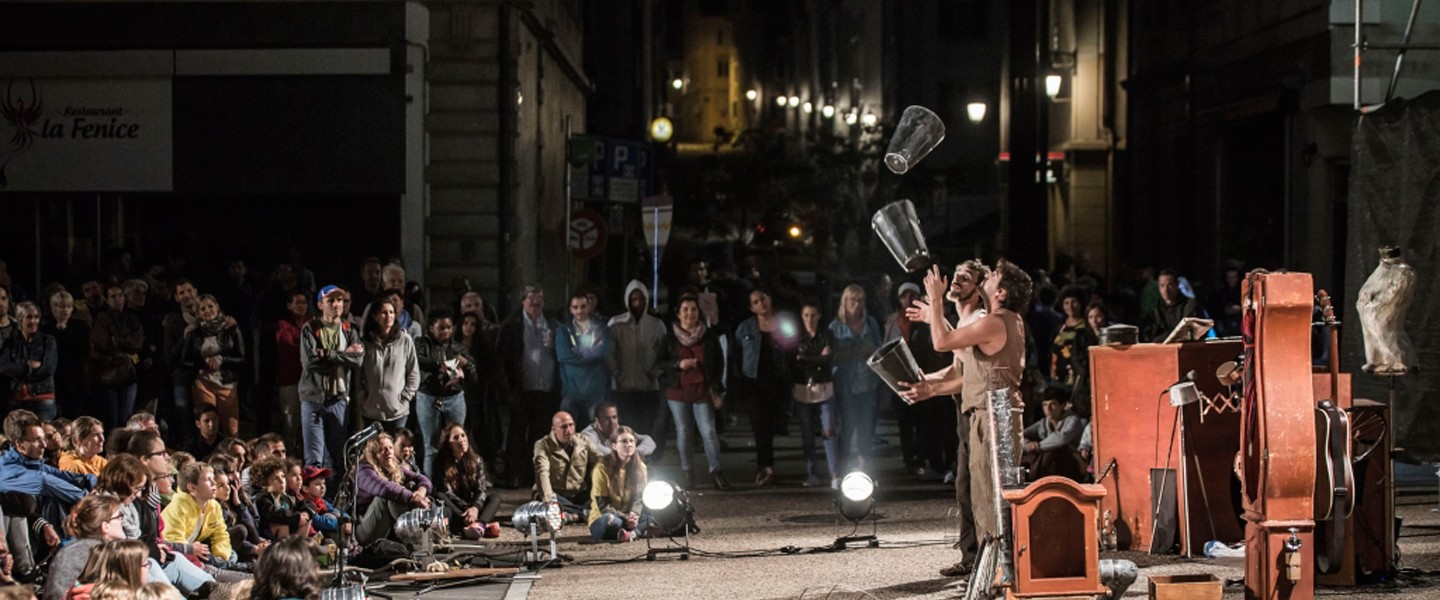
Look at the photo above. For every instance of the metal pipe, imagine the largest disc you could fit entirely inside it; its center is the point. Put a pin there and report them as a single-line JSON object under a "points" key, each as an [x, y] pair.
{"points": [[1400, 58], [1359, 46], [1401, 46]]}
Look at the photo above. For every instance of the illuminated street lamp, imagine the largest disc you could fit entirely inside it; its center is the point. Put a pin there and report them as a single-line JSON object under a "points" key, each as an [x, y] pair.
{"points": [[779, 101], [808, 108], [850, 117], [976, 111], [1052, 85], [794, 101], [661, 129], [827, 111], [677, 83], [751, 95], [869, 120]]}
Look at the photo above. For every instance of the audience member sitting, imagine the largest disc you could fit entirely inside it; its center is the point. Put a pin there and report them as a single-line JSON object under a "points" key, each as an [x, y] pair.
{"points": [[193, 518], [562, 467], [1052, 442], [606, 425], [241, 518], [616, 510], [147, 446], [125, 479], [287, 571], [142, 421], [87, 440], [270, 444], [117, 564], [385, 490], [95, 520], [328, 519], [462, 482], [280, 515], [405, 448], [207, 432], [23, 470]]}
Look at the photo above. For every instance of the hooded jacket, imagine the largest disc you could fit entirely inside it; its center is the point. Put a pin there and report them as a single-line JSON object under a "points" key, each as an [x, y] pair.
{"points": [[388, 379], [582, 359], [32, 477], [637, 346]]}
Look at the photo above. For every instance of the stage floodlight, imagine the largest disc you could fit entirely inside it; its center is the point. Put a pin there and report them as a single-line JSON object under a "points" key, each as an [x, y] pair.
{"points": [[545, 516], [671, 516], [857, 496]]}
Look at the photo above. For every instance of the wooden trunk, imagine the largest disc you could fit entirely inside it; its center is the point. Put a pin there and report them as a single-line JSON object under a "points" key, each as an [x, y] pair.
{"points": [[1133, 424]]}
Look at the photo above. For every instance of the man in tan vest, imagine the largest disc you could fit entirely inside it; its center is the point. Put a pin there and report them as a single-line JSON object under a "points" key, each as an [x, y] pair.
{"points": [[989, 348]]}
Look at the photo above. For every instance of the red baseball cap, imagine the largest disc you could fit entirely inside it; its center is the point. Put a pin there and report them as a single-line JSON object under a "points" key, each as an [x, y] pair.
{"points": [[312, 471]]}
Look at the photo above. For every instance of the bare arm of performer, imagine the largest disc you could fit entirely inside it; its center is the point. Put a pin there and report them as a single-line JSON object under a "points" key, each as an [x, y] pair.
{"points": [[945, 382], [986, 332]]}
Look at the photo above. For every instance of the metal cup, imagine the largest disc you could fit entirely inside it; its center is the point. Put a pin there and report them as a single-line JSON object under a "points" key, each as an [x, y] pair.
{"points": [[894, 363], [899, 228], [918, 133]]}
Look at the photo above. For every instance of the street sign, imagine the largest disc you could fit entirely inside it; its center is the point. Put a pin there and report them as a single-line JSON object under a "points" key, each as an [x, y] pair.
{"points": [[655, 214], [586, 237], [613, 170]]}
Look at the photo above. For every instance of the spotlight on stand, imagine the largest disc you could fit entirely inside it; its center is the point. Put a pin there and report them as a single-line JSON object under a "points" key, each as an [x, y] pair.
{"points": [[856, 502], [535, 518], [671, 515]]}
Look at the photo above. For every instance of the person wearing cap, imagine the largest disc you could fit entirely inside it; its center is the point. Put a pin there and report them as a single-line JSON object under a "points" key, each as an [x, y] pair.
{"points": [[329, 519], [330, 349]]}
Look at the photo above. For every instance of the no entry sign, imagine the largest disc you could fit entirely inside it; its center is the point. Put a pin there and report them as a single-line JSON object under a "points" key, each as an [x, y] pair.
{"points": [[587, 234]]}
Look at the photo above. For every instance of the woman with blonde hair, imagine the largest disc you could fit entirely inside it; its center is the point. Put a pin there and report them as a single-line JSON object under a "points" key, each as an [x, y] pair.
{"points": [[87, 441], [119, 563], [857, 390], [616, 486], [386, 490]]}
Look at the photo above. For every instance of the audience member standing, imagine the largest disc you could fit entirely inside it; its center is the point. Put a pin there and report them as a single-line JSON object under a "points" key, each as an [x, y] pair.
{"points": [[115, 345], [527, 353], [637, 343], [814, 394], [182, 375], [694, 356], [581, 345], [857, 389], [389, 374], [28, 359], [1172, 308], [482, 398], [214, 348], [445, 365], [72, 347], [761, 373], [288, 369], [329, 351]]}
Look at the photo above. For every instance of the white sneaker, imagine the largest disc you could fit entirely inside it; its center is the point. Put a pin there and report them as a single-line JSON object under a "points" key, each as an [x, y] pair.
{"points": [[949, 477], [834, 483]]}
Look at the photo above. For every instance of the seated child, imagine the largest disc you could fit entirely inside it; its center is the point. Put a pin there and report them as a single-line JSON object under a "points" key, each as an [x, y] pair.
{"points": [[331, 521], [193, 519], [281, 516]]}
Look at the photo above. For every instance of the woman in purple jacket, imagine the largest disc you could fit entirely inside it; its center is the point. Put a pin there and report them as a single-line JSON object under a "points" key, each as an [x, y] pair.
{"points": [[386, 490]]}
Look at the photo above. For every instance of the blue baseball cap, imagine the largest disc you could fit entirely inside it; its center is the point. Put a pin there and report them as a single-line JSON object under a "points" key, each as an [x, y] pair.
{"points": [[326, 291]]}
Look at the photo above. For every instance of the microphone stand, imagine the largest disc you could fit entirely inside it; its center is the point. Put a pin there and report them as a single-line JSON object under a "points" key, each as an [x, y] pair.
{"points": [[345, 498]]}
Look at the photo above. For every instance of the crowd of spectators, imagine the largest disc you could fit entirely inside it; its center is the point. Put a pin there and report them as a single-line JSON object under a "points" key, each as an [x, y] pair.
{"points": [[129, 401]]}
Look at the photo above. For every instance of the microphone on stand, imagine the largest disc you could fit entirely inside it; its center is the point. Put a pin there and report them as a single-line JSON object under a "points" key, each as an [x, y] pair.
{"points": [[363, 436]]}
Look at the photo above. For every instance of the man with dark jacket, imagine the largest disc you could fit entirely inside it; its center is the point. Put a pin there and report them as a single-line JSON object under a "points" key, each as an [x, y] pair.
{"points": [[445, 366], [529, 372], [1173, 308]]}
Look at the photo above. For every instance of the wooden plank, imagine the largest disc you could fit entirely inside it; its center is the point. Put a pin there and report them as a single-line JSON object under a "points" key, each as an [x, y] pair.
{"points": [[456, 574]]}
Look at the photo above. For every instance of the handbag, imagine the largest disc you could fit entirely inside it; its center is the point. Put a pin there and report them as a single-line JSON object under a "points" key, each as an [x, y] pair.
{"points": [[813, 392]]}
